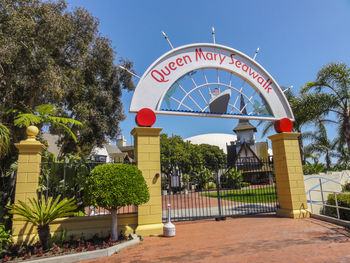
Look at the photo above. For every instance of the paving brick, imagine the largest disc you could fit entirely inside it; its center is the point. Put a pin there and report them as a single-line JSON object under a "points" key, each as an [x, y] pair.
{"points": [[260, 239]]}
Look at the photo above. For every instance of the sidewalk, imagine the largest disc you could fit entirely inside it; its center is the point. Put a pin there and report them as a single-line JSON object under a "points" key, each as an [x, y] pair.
{"points": [[262, 238]]}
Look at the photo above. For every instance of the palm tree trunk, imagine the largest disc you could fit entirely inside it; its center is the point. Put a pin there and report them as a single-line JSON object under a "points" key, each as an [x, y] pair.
{"points": [[328, 160], [347, 131], [44, 235], [114, 229], [301, 149]]}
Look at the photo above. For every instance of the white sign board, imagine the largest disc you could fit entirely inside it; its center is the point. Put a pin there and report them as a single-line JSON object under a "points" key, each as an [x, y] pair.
{"points": [[172, 66]]}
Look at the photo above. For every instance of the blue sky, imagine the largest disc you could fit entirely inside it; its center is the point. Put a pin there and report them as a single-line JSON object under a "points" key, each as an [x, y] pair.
{"points": [[296, 38]]}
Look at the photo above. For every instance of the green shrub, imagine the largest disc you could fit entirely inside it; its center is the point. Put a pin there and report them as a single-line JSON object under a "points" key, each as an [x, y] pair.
{"points": [[165, 182], [314, 168], [346, 187], [210, 186], [233, 179], [344, 201], [41, 212], [186, 180], [112, 186], [245, 184], [5, 238], [79, 213]]}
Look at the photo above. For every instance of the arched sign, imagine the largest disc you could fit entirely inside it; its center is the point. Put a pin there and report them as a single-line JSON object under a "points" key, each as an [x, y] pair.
{"points": [[206, 80]]}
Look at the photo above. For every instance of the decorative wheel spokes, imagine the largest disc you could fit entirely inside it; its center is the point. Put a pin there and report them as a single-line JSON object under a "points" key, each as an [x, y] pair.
{"points": [[214, 91]]}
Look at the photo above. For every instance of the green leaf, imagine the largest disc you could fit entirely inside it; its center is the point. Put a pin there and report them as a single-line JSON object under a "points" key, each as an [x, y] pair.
{"points": [[45, 109], [27, 119]]}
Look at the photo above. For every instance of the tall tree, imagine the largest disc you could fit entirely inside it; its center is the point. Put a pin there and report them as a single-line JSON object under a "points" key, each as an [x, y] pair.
{"points": [[306, 109], [50, 55], [321, 143], [333, 84], [213, 157], [177, 155], [343, 158]]}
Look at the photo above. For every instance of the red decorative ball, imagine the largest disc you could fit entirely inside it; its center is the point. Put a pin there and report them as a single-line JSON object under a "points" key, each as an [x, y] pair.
{"points": [[145, 117], [283, 125]]}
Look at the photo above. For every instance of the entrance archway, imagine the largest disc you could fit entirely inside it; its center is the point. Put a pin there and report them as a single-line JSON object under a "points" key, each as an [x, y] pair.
{"points": [[162, 89], [161, 84]]}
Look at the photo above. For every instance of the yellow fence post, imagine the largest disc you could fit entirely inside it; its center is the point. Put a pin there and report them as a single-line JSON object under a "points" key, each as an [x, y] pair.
{"points": [[147, 155], [289, 175], [27, 181]]}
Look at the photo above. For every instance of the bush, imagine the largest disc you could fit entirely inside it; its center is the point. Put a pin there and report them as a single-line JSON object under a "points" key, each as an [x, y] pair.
{"points": [[209, 186], [41, 212], [314, 168], [233, 179], [346, 187], [115, 185], [112, 186], [245, 184], [5, 238], [186, 180], [344, 201]]}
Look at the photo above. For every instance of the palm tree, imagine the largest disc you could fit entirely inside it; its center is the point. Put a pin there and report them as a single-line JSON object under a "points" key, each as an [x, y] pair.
{"points": [[343, 158], [335, 79], [306, 109], [321, 143], [46, 114], [42, 212], [4, 140]]}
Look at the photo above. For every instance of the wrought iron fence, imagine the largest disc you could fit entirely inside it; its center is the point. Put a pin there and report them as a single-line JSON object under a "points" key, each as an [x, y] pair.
{"points": [[67, 179], [245, 188]]}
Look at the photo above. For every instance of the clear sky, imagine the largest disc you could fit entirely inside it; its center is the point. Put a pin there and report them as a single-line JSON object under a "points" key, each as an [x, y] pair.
{"points": [[296, 38]]}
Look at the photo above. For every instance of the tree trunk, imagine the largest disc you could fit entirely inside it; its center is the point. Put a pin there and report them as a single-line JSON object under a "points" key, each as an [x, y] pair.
{"points": [[347, 130], [301, 149], [44, 235], [114, 229], [328, 160]]}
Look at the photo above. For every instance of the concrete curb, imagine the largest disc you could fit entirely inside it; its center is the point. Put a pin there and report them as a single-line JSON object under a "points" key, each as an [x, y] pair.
{"points": [[89, 254]]}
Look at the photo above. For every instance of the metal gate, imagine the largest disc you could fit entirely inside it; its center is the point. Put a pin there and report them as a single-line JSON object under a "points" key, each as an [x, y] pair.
{"points": [[247, 188]]}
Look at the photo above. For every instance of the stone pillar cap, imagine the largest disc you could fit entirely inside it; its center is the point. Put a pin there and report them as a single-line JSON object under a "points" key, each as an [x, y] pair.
{"points": [[32, 132]]}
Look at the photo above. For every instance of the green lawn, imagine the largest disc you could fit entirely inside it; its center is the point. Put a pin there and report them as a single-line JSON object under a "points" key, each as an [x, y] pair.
{"points": [[260, 195]]}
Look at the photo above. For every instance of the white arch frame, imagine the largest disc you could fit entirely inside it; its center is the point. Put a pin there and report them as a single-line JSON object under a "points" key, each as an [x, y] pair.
{"points": [[154, 83]]}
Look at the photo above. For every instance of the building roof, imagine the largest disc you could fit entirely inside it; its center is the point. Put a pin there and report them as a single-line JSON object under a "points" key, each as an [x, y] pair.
{"points": [[111, 149], [243, 124], [216, 139]]}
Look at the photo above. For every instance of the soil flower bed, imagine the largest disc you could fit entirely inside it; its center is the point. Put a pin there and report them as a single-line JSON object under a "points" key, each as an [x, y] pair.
{"points": [[17, 253]]}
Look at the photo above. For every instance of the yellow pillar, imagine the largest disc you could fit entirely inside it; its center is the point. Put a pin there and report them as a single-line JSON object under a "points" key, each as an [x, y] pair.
{"points": [[147, 156], [289, 175], [27, 181]]}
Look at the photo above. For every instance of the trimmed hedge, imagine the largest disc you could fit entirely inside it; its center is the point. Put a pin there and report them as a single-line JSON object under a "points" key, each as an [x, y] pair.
{"points": [[112, 186], [344, 201]]}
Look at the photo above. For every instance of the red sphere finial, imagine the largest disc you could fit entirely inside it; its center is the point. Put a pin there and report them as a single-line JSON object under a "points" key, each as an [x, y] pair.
{"points": [[283, 125], [145, 117]]}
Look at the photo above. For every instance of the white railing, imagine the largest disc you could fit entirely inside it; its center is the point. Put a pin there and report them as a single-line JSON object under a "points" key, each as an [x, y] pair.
{"points": [[325, 204]]}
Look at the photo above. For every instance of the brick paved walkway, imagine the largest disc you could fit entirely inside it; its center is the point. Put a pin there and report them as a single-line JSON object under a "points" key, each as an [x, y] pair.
{"points": [[263, 238]]}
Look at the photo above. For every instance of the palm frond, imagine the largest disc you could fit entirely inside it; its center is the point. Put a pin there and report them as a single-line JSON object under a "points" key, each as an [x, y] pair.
{"points": [[45, 109], [27, 119], [4, 139], [41, 212], [66, 129], [63, 120]]}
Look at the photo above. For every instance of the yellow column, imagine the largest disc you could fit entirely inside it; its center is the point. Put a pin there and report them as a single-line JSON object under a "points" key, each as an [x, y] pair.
{"points": [[289, 175], [147, 156], [27, 181]]}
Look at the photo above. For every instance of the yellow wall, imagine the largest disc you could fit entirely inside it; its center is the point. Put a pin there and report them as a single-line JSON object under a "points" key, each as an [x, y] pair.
{"points": [[86, 226], [29, 161]]}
